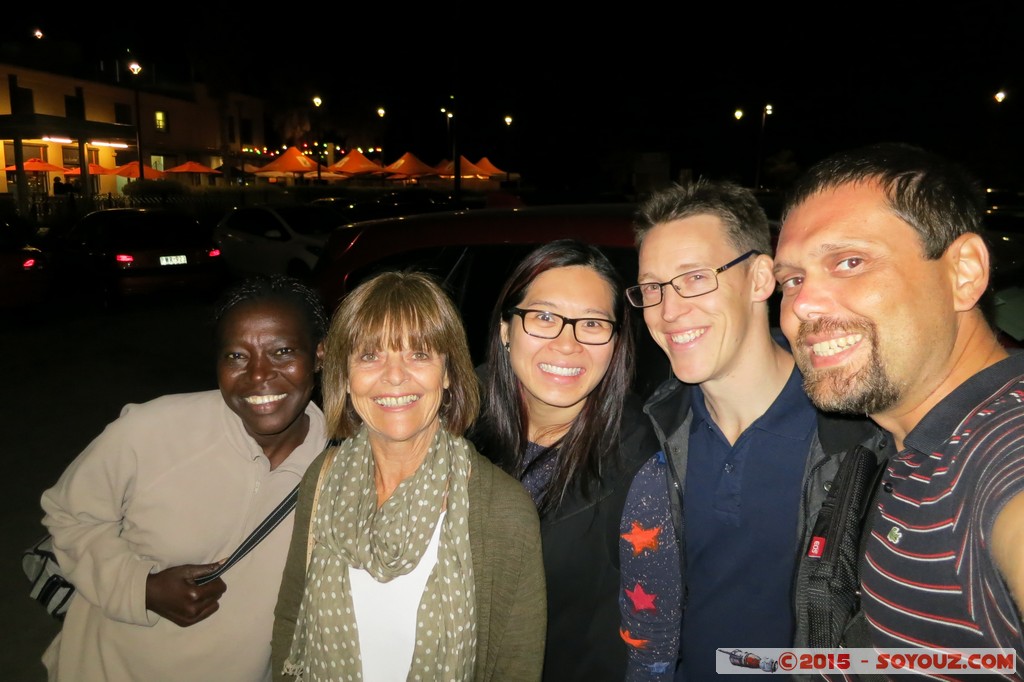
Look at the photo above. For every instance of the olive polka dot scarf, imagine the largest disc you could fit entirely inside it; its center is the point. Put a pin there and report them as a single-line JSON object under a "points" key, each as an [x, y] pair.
{"points": [[350, 530]]}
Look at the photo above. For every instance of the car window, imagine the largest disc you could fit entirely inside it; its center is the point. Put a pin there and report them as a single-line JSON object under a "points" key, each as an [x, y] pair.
{"points": [[255, 221], [309, 220]]}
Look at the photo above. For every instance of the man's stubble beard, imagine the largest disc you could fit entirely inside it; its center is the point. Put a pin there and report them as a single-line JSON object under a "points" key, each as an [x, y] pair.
{"points": [[868, 390]]}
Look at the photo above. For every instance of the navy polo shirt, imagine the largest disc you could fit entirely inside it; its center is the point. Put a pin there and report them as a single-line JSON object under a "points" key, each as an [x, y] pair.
{"points": [[741, 505]]}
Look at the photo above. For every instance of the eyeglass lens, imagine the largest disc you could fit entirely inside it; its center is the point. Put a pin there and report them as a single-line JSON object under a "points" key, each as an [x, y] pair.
{"points": [[547, 325]]}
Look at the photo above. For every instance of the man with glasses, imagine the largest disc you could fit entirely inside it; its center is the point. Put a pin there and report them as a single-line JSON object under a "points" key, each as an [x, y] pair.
{"points": [[747, 459]]}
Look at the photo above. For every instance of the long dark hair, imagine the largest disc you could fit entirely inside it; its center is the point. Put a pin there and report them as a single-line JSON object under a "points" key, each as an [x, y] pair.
{"points": [[503, 431]]}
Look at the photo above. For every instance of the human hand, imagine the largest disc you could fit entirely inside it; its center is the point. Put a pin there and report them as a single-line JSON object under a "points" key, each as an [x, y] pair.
{"points": [[173, 594]]}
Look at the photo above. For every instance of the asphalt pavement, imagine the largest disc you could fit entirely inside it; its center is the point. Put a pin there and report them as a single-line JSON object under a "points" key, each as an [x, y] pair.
{"points": [[73, 369]]}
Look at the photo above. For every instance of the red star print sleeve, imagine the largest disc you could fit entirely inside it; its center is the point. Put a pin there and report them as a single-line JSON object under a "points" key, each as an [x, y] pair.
{"points": [[650, 594]]}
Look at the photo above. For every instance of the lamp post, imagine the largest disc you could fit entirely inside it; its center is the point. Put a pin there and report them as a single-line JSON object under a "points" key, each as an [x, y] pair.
{"points": [[508, 125], [766, 111], [380, 145], [316, 134], [136, 69]]}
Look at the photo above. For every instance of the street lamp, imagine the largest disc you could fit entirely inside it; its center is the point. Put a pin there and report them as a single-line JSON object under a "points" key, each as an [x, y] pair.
{"points": [[766, 111], [317, 102], [380, 145], [136, 69], [508, 125]]}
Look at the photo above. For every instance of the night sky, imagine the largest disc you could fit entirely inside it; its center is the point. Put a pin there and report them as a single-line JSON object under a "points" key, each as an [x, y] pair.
{"points": [[591, 87]]}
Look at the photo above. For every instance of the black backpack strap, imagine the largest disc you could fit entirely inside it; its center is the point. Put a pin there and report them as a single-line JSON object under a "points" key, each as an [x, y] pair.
{"points": [[833, 584]]}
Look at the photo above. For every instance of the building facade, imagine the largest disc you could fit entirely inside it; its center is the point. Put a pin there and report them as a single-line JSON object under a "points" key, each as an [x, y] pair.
{"points": [[66, 121]]}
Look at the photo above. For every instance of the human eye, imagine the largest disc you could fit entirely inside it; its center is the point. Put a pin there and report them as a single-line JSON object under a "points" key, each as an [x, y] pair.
{"points": [[649, 288], [788, 284], [285, 350], [368, 356], [543, 317], [420, 355], [695, 277], [849, 263], [233, 355]]}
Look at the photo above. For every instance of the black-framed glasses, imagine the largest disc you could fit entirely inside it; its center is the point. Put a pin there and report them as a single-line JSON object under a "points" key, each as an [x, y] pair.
{"points": [[592, 331], [688, 285]]}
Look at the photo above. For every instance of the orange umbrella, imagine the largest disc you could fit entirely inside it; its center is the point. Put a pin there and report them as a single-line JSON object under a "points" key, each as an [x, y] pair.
{"points": [[467, 169], [37, 165], [191, 167], [131, 170], [355, 163], [291, 161], [410, 166], [485, 165], [94, 169]]}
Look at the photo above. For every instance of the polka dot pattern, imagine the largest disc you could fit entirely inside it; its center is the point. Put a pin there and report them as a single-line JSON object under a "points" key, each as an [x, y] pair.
{"points": [[350, 530]]}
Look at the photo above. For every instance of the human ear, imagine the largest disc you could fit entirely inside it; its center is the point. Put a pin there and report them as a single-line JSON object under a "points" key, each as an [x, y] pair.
{"points": [[319, 356], [968, 258], [762, 276], [504, 333]]}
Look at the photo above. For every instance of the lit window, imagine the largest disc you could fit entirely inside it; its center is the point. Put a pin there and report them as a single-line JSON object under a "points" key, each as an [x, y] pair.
{"points": [[160, 121]]}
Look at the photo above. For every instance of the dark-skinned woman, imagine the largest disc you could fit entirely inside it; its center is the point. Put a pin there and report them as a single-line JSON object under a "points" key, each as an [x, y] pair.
{"points": [[169, 490]]}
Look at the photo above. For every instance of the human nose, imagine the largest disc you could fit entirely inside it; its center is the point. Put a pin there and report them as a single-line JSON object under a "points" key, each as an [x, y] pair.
{"points": [[810, 300], [566, 339], [261, 368], [395, 371], [672, 304]]}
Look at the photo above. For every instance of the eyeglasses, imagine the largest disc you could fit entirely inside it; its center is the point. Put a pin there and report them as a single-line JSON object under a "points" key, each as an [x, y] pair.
{"points": [[688, 285], [592, 331]]}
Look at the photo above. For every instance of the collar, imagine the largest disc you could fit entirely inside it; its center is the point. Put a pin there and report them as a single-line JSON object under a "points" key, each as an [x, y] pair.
{"points": [[791, 414], [942, 420]]}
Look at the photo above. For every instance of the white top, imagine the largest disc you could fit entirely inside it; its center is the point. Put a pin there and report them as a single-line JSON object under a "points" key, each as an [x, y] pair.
{"points": [[386, 615]]}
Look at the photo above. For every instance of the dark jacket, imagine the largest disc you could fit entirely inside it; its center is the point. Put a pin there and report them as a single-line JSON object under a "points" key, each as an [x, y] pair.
{"points": [[580, 540], [669, 408]]}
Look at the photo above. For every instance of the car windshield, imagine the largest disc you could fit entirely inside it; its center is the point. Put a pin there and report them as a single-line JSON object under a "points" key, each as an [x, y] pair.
{"points": [[309, 219]]}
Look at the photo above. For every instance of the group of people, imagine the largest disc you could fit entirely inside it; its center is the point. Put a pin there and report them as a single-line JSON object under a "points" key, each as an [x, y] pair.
{"points": [[535, 519]]}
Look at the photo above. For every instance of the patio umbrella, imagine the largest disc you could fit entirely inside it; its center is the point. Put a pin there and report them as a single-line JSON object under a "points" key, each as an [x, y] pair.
{"points": [[485, 165], [408, 166], [131, 170], [191, 167], [94, 169], [291, 161], [467, 169], [355, 163], [37, 165]]}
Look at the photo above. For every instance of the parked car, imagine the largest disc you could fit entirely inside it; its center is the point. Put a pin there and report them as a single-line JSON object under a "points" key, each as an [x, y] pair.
{"points": [[25, 272], [274, 239], [473, 252], [121, 253]]}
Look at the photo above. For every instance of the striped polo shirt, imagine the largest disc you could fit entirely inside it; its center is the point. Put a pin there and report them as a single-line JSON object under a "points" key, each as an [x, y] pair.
{"points": [[927, 575]]}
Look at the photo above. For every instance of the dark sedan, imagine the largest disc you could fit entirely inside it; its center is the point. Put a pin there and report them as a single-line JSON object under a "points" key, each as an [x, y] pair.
{"points": [[124, 253]]}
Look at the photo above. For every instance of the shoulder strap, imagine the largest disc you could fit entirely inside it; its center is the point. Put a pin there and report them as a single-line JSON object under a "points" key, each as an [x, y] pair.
{"points": [[833, 583], [316, 499], [261, 531]]}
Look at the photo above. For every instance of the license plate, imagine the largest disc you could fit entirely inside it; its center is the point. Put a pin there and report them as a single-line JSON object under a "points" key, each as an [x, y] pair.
{"points": [[173, 260]]}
